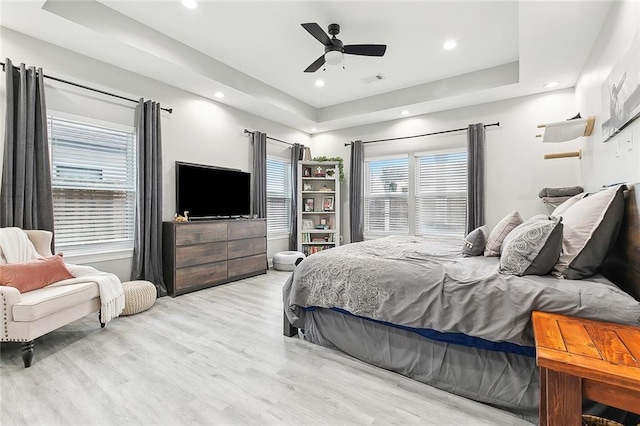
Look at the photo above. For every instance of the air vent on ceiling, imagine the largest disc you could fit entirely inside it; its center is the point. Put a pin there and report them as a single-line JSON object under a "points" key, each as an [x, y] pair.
{"points": [[372, 78]]}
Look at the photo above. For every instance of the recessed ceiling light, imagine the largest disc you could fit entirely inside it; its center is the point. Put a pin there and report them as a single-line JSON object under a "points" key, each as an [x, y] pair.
{"points": [[450, 44], [219, 95], [313, 129], [320, 83], [404, 112], [190, 4], [551, 84]]}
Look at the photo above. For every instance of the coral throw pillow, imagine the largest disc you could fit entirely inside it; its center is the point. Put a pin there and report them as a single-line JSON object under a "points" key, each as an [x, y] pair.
{"points": [[34, 274]]}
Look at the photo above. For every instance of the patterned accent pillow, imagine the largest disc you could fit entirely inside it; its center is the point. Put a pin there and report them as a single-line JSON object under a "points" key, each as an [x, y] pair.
{"points": [[506, 225], [474, 242], [532, 248], [591, 227]]}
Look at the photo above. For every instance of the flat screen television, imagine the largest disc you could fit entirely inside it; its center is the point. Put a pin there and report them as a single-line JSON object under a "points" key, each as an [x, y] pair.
{"points": [[209, 192]]}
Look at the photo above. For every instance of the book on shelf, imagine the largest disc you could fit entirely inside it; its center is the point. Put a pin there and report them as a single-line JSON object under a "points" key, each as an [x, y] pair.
{"points": [[309, 250]]}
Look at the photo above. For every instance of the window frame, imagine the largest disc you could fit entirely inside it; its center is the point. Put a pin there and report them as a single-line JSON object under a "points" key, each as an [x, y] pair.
{"points": [[281, 232], [378, 233], [417, 157], [97, 252]]}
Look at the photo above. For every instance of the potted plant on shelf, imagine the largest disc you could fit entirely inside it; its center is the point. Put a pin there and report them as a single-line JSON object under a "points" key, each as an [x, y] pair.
{"points": [[331, 172]]}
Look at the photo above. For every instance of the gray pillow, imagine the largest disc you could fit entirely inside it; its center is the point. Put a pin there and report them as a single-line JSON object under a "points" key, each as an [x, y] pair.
{"points": [[590, 228], [506, 225], [532, 248], [474, 242]]}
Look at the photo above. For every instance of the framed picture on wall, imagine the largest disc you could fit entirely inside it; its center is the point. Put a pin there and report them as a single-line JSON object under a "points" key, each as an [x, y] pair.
{"points": [[621, 93]]}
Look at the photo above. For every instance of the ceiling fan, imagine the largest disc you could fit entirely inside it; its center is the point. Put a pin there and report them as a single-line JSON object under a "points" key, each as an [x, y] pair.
{"points": [[334, 49]]}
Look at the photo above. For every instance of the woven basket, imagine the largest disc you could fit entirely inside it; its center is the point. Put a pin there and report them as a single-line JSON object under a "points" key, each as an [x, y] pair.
{"points": [[589, 420], [138, 296]]}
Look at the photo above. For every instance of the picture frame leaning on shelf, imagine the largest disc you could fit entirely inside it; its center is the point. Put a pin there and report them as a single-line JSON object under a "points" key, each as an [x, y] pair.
{"points": [[309, 204], [327, 204]]}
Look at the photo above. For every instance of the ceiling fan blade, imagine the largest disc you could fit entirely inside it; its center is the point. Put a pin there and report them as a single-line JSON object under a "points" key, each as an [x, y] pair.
{"points": [[316, 31], [315, 65], [366, 49]]}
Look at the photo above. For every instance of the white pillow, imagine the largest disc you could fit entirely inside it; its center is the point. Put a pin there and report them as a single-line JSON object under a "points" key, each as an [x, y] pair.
{"points": [[564, 206], [590, 227], [501, 230]]}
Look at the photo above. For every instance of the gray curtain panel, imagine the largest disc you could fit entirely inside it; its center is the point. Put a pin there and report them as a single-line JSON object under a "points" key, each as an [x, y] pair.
{"points": [[259, 174], [297, 151], [147, 248], [25, 196], [475, 176], [356, 192]]}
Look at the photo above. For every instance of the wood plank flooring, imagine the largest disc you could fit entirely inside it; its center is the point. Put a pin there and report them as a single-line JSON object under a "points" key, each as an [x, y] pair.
{"points": [[216, 356]]}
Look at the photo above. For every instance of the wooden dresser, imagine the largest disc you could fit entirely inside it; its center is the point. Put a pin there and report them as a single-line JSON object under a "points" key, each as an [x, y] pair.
{"points": [[202, 254]]}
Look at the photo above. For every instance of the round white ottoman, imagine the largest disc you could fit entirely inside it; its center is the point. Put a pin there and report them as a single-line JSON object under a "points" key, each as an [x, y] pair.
{"points": [[138, 296], [287, 260]]}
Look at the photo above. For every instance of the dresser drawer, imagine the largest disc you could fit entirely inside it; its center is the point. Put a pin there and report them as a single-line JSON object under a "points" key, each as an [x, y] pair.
{"points": [[194, 276], [247, 229], [200, 233], [247, 265], [201, 253], [247, 247]]}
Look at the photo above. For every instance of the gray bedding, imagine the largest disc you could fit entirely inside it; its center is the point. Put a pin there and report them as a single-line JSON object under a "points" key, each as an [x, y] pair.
{"points": [[417, 283]]}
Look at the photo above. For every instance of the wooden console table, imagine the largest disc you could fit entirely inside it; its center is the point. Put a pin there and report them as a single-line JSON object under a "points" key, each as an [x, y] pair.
{"points": [[583, 358]]}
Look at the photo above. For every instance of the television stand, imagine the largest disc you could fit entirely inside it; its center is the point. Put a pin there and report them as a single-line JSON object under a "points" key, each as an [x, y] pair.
{"points": [[207, 253]]}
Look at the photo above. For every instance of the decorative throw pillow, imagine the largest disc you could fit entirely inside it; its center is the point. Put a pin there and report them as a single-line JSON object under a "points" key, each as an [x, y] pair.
{"points": [[506, 225], [474, 242], [34, 274], [532, 248], [564, 206], [590, 228]]}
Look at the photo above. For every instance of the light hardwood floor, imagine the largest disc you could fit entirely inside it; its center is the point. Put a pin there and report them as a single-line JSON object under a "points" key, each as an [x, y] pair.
{"points": [[216, 356]]}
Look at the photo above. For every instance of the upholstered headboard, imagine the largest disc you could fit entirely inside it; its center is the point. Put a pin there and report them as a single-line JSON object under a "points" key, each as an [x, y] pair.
{"points": [[622, 266]]}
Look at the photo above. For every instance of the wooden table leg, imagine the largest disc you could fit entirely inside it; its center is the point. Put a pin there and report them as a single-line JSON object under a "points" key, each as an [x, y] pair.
{"points": [[542, 412], [563, 399]]}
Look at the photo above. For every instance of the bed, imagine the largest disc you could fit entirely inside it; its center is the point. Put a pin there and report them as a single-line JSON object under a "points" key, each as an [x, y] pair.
{"points": [[417, 307]]}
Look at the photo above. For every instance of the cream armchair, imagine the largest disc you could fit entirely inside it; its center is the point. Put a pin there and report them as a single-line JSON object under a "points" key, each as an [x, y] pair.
{"points": [[25, 317]]}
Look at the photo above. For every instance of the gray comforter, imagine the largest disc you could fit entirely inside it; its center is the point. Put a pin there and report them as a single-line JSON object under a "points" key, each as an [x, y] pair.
{"points": [[420, 283]]}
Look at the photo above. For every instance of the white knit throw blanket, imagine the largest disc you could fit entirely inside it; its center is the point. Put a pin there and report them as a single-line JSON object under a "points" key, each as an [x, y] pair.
{"points": [[16, 247]]}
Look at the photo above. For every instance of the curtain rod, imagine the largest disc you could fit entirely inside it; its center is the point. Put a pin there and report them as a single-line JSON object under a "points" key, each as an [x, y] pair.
{"points": [[269, 137], [169, 110], [425, 134]]}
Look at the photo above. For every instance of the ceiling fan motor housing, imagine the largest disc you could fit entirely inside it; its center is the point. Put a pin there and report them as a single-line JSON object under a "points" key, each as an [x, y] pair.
{"points": [[337, 45]]}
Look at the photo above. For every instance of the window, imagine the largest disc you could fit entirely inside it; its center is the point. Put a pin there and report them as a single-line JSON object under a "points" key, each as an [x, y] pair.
{"points": [[386, 204], [278, 196], [441, 193], [93, 182]]}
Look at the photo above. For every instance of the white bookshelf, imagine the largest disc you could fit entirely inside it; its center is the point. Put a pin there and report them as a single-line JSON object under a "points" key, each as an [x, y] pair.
{"points": [[318, 206]]}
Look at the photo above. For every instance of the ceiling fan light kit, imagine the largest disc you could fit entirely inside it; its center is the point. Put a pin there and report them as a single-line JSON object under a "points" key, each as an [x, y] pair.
{"points": [[334, 49]]}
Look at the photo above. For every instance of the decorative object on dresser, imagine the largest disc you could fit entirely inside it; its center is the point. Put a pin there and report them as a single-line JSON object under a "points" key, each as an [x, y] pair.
{"points": [[203, 254]]}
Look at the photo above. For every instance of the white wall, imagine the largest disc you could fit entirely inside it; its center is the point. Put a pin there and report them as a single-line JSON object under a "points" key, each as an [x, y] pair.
{"points": [[516, 170], [613, 161], [198, 131]]}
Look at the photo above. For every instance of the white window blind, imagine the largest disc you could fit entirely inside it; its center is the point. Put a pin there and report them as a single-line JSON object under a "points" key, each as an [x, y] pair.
{"points": [[94, 182], [441, 194], [278, 196], [386, 207]]}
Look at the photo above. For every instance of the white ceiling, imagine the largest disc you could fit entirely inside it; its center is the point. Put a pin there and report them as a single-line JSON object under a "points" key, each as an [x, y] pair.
{"points": [[255, 52]]}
